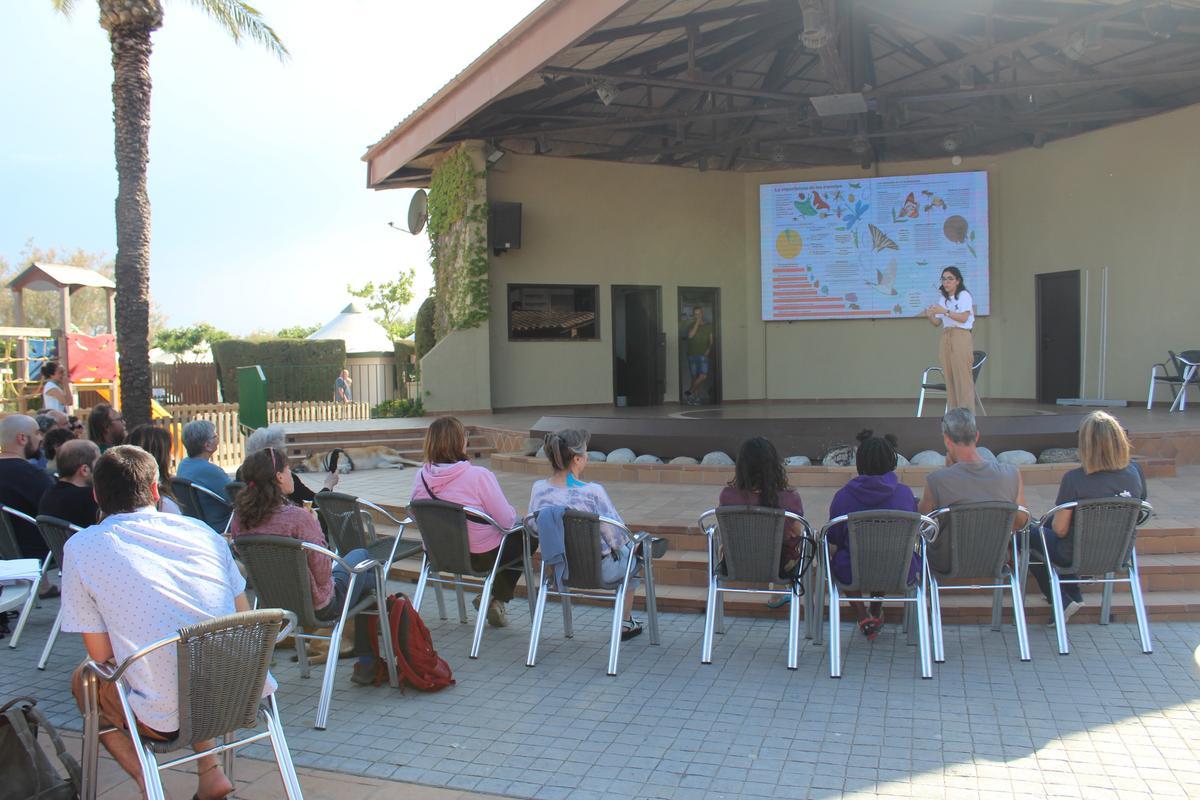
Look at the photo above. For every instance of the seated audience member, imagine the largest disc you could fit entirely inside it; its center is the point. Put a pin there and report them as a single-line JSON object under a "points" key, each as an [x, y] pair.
{"points": [[968, 478], [105, 426], [275, 437], [877, 487], [123, 589], [1107, 471], [46, 422], [760, 479], [157, 442], [262, 508], [448, 475], [51, 443], [200, 442], [21, 483], [567, 452], [72, 498]]}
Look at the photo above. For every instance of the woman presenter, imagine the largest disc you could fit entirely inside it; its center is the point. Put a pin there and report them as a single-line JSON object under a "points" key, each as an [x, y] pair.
{"points": [[956, 316]]}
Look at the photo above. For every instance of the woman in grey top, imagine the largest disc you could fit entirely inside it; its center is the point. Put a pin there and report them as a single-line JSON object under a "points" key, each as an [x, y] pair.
{"points": [[567, 452], [1107, 471]]}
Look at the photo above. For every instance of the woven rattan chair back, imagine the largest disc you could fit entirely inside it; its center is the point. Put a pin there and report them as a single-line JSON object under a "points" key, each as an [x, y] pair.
{"points": [[344, 522], [750, 541], [443, 528], [973, 540], [1104, 534], [581, 541], [8, 537], [278, 567], [881, 549], [222, 667], [56, 532]]}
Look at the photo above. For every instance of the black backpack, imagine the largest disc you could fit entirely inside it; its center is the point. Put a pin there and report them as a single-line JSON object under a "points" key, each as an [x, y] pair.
{"points": [[28, 773]]}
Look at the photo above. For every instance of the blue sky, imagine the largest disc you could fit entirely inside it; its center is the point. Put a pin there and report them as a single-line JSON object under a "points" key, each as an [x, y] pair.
{"points": [[260, 212]]}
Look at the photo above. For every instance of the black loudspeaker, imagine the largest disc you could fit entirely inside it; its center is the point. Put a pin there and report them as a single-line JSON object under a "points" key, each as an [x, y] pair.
{"points": [[504, 227]]}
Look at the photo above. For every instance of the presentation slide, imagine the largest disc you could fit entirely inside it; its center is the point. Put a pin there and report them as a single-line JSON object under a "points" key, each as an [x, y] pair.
{"points": [[871, 247]]}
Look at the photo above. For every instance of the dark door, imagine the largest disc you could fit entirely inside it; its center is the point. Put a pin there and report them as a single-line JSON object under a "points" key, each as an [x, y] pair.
{"points": [[699, 380], [1057, 336], [638, 345]]}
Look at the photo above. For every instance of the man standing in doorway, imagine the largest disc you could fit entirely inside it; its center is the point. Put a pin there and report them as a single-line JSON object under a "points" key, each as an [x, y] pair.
{"points": [[700, 343]]}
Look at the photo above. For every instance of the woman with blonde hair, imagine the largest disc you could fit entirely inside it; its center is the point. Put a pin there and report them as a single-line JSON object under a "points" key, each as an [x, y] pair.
{"points": [[1107, 471]]}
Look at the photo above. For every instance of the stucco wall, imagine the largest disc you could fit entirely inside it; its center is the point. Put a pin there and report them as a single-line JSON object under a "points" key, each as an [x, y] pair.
{"points": [[1125, 197], [455, 373]]}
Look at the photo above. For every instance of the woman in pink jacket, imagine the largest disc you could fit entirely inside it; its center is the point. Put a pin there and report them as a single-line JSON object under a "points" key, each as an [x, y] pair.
{"points": [[448, 475]]}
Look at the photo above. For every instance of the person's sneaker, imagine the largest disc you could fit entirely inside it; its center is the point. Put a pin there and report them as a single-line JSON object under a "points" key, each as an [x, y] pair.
{"points": [[497, 614], [1068, 611], [364, 674]]}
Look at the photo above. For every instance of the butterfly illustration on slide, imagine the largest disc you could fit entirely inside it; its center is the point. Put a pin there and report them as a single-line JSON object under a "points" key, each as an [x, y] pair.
{"points": [[885, 280], [853, 217], [880, 240], [818, 203]]}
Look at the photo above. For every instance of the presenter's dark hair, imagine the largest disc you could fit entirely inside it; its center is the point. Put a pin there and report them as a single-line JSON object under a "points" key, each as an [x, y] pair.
{"points": [[760, 469], [876, 454], [962, 286], [122, 479]]}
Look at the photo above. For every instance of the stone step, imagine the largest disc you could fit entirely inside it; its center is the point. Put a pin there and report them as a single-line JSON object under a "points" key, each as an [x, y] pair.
{"points": [[412, 449]]}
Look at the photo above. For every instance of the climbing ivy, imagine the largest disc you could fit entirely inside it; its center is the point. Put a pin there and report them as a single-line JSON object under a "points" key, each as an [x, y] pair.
{"points": [[458, 242]]}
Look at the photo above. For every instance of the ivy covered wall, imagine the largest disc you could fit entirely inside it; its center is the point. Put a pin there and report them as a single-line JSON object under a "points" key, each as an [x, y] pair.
{"points": [[458, 216]]}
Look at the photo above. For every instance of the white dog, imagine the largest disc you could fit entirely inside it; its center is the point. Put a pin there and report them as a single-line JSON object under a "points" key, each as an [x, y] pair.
{"points": [[355, 458]]}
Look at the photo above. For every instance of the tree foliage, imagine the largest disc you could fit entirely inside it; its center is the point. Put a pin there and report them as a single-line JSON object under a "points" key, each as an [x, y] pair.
{"points": [[387, 300], [425, 336], [89, 305], [297, 331], [190, 339]]}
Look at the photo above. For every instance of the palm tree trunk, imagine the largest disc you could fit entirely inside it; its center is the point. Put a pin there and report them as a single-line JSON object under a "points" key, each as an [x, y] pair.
{"points": [[131, 119]]}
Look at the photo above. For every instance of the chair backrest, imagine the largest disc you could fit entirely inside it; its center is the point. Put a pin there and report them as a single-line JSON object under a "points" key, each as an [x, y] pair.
{"points": [[1178, 360], [972, 541], [977, 359], [443, 528], [9, 547], [882, 544], [223, 664], [347, 524], [750, 541], [200, 504], [56, 532], [184, 495], [1104, 532], [582, 542], [278, 567]]}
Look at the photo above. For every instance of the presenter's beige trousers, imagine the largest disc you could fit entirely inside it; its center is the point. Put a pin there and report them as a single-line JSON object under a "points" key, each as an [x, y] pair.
{"points": [[956, 354]]}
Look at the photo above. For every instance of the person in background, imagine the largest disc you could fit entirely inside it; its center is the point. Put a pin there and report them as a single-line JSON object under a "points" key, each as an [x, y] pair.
{"points": [[275, 437], [21, 483], [760, 479], [52, 443], [700, 343], [200, 441], [105, 426], [56, 391], [956, 352], [342, 391], [157, 442], [72, 497], [876, 487]]}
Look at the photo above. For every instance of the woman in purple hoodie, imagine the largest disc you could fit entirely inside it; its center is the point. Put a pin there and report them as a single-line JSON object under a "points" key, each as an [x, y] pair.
{"points": [[448, 475], [876, 487]]}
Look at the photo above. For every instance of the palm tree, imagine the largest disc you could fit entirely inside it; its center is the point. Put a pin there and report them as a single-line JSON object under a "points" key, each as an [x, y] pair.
{"points": [[129, 24]]}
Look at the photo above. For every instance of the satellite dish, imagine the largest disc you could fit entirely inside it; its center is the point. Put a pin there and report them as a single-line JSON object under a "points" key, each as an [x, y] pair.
{"points": [[418, 211]]}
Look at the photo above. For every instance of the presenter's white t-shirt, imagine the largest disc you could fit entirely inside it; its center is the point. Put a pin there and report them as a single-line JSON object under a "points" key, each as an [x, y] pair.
{"points": [[50, 403], [963, 302]]}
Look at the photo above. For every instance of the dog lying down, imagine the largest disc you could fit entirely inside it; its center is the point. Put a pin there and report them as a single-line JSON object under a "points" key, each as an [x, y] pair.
{"points": [[355, 458]]}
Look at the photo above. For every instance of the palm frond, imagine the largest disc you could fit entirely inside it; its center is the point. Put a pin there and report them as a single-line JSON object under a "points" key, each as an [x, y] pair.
{"points": [[240, 19], [63, 6]]}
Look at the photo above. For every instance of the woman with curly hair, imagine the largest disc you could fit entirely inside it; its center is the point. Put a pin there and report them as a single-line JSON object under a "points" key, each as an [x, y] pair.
{"points": [[262, 509], [157, 442]]}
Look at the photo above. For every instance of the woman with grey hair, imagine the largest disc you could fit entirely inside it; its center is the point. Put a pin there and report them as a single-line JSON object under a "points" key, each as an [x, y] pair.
{"points": [[200, 441], [568, 455], [274, 437]]}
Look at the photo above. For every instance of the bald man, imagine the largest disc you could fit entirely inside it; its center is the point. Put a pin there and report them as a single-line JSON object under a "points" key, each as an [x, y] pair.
{"points": [[21, 483], [72, 498]]}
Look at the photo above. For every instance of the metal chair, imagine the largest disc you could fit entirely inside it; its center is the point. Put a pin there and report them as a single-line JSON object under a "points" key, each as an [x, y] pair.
{"points": [[192, 499], [18, 569], [279, 568], [882, 544], [56, 532], [443, 529], [233, 488], [222, 668], [1103, 538], [977, 359], [350, 526], [581, 538], [744, 546], [1185, 375], [974, 541]]}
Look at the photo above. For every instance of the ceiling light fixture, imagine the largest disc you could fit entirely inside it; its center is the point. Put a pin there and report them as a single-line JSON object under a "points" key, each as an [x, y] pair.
{"points": [[860, 144], [816, 31], [951, 143], [607, 91]]}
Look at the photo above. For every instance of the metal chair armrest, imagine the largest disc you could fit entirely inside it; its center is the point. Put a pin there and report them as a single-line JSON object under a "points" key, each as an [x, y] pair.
{"points": [[380, 510], [925, 374], [213, 495], [360, 567], [19, 514], [110, 673]]}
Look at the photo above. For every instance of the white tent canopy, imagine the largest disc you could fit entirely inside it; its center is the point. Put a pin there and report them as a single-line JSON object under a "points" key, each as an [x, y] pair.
{"points": [[358, 329]]}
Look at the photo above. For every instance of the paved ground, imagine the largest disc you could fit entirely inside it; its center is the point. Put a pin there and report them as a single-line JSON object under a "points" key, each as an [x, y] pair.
{"points": [[1106, 721]]}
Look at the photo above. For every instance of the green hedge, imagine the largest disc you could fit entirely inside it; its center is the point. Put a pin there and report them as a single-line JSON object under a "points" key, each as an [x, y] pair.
{"points": [[296, 369], [425, 337]]}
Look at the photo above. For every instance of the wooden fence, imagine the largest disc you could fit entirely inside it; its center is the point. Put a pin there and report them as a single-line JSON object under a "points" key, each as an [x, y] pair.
{"points": [[185, 383], [224, 417]]}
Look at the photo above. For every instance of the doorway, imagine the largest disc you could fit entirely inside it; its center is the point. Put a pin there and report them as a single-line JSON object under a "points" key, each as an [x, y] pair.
{"points": [[1058, 361], [699, 335], [639, 346]]}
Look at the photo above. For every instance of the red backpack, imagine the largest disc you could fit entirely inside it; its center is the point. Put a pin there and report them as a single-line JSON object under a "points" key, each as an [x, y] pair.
{"points": [[417, 663]]}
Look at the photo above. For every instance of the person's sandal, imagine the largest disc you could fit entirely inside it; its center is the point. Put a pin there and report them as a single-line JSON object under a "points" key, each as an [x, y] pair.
{"points": [[870, 627], [630, 628], [779, 601]]}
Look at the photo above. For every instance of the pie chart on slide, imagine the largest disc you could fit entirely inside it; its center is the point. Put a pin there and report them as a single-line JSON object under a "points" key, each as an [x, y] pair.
{"points": [[789, 244]]}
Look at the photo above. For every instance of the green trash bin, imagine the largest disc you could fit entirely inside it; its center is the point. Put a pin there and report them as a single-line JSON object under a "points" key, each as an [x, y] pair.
{"points": [[252, 398]]}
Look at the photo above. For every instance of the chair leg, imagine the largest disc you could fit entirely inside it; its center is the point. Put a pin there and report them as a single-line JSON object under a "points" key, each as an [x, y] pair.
{"points": [[50, 641], [923, 633], [835, 622], [1018, 602], [1106, 600], [568, 617], [26, 610], [302, 653], [935, 606], [462, 600], [150, 775], [1150, 392], [531, 589], [485, 598], [228, 757], [1060, 624], [441, 601], [920, 401], [283, 756], [331, 660], [1139, 604], [794, 629], [997, 608], [720, 620], [818, 601], [710, 619], [422, 582], [91, 738], [614, 642], [385, 628], [651, 594], [535, 627]]}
